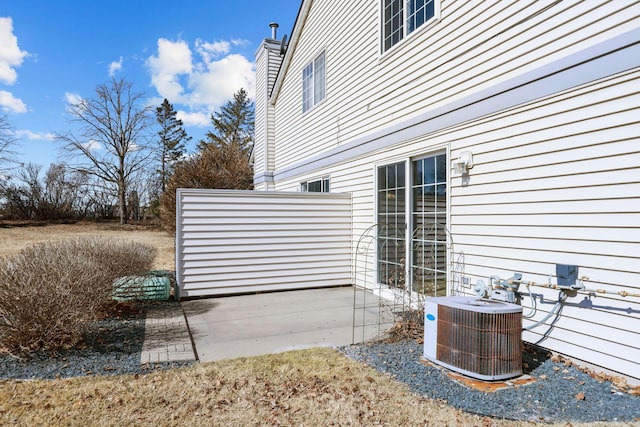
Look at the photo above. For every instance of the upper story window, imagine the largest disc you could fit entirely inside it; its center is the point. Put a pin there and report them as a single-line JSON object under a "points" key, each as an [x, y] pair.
{"points": [[317, 186], [313, 82], [401, 17]]}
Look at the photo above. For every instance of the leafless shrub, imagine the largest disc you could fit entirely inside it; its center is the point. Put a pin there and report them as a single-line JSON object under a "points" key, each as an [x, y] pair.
{"points": [[119, 257], [49, 293]]}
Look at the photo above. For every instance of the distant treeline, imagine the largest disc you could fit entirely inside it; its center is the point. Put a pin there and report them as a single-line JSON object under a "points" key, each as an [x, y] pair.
{"points": [[62, 194]]}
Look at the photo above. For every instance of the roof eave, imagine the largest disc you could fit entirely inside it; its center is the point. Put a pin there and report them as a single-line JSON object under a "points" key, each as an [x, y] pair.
{"points": [[293, 41]]}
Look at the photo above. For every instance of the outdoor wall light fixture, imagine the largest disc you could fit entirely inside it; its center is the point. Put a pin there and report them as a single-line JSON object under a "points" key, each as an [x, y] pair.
{"points": [[463, 163]]}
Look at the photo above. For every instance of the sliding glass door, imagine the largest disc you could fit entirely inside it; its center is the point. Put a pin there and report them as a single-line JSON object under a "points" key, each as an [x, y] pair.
{"points": [[414, 231]]}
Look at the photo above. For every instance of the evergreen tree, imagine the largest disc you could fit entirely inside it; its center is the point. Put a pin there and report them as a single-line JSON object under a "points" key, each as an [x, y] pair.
{"points": [[171, 144], [233, 125]]}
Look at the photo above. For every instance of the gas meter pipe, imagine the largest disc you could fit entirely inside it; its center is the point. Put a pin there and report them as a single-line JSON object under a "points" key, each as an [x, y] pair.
{"points": [[586, 290]]}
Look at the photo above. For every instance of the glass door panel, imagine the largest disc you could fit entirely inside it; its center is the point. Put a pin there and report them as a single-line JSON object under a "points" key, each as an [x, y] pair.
{"points": [[391, 225], [428, 226]]}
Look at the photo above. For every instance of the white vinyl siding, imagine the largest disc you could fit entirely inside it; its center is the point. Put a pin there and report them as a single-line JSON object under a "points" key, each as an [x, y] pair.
{"points": [[557, 182], [471, 48], [313, 83], [555, 176], [232, 242], [274, 66], [554, 181], [402, 17], [261, 106]]}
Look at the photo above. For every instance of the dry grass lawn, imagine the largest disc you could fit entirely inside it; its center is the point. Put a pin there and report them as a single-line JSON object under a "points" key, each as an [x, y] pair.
{"points": [[309, 387], [15, 237], [312, 387]]}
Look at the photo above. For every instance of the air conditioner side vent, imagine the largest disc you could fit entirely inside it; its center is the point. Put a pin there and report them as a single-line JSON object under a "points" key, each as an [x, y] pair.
{"points": [[476, 337]]}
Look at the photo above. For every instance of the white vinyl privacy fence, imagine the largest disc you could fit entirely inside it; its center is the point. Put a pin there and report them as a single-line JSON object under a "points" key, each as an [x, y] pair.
{"points": [[232, 242]]}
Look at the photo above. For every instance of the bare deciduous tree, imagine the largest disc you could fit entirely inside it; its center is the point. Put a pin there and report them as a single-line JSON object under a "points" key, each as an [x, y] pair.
{"points": [[7, 140], [111, 143], [30, 176], [63, 192]]}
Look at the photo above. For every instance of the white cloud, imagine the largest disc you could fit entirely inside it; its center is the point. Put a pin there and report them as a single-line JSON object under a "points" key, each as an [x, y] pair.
{"points": [[10, 103], [10, 57], [209, 51], [10, 54], [221, 80], [92, 145], [173, 60], [114, 67], [203, 82], [193, 119], [35, 136], [72, 98], [154, 101], [240, 42]]}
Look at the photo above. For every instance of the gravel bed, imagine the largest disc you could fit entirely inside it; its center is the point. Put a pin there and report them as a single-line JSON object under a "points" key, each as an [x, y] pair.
{"points": [[552, 397], [113, 348]]}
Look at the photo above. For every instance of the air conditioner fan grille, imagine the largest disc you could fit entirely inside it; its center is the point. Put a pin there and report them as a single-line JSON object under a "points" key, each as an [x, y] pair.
{"points": [[488, 344]]}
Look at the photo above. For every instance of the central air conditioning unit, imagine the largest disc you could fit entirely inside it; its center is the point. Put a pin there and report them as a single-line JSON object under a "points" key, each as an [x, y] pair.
{"points": [[477, 337]]}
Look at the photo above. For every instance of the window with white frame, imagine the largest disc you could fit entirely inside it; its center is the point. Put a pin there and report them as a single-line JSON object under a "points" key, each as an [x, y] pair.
{"points": [[317, 186], [313, 82], [401, 17]]}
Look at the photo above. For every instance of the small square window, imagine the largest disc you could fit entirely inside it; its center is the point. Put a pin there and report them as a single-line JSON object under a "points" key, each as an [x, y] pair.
{"points": [[402, 17]]}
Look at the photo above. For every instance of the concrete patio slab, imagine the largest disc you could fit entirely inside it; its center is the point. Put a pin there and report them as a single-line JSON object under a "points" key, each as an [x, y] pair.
{"points": [[256, 324]]}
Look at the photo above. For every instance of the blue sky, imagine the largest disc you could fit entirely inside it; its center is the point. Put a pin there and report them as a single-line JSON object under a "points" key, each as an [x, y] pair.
{"points": [[195, 53]]}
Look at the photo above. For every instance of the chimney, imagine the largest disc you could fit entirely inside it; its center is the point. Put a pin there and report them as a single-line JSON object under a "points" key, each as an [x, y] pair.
{"points": [[267, 63], [274, 27]]}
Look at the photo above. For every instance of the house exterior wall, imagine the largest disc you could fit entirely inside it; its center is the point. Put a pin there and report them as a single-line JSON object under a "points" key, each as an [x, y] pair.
{"points": [[473, 46], [545, 96], [554, 182], [231, 242]]}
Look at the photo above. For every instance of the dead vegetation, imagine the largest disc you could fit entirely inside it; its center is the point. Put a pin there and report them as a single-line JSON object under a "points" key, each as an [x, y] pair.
{"points": [[16, 236], [51, 292], [310, 387], [410, 325]]}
